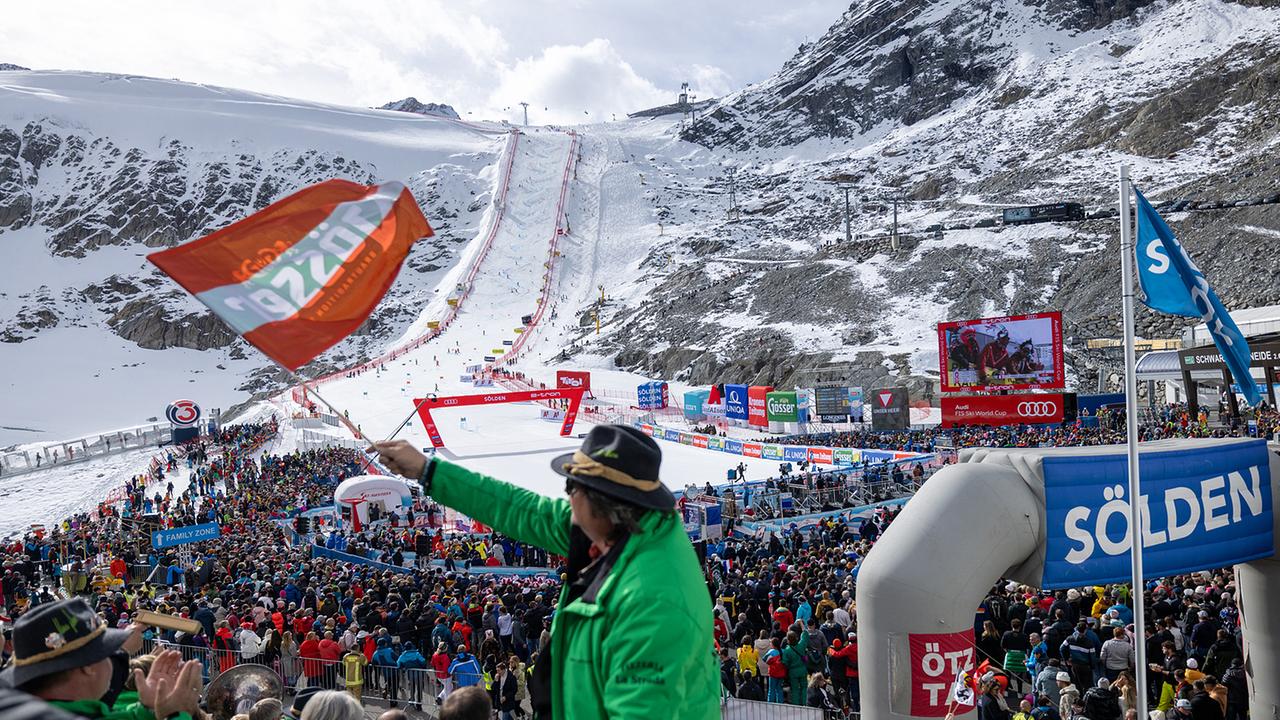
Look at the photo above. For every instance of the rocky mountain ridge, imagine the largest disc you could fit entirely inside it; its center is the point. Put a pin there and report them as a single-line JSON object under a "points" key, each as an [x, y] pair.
{"points": [[412, 105], [958, 109]]}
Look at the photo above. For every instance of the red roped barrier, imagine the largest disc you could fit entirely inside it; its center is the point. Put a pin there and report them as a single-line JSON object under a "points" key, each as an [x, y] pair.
{"points": [[451, 311]]}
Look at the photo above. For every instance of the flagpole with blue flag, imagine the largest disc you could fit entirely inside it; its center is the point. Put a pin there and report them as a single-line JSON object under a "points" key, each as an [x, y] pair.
{"points": [[1131, 421], [1174, 285]]}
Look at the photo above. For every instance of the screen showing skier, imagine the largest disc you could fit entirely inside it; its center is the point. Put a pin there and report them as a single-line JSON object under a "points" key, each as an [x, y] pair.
{"points": [[1006, 353]]}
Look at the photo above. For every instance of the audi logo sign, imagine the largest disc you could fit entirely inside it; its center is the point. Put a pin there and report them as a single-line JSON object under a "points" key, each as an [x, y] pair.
{"points": [[1025, 409], [1039, 410]]}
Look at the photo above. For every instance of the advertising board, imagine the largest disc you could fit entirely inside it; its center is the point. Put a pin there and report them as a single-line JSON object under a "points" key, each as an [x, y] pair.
{"points": [[1025, 409], [889, 409], [757, 406], [1017, 352], [735, 402]]}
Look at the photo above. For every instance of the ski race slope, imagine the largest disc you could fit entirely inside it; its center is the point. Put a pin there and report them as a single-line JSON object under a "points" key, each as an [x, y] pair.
{"points": [[587, 188], [512, 442]]}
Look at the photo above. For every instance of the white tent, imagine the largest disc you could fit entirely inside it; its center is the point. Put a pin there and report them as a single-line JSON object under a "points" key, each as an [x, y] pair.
{"points": [[373, 497]]}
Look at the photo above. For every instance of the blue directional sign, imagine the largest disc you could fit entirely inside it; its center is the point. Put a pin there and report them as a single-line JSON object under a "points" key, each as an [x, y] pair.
{"points": [[182, 535]]}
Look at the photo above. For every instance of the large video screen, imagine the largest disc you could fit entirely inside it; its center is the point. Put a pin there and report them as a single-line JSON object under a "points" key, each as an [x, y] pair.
{"points": [[1007, 353]]}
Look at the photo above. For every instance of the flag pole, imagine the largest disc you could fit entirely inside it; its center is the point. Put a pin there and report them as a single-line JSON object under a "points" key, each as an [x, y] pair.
{"points": [[1131, 419]]}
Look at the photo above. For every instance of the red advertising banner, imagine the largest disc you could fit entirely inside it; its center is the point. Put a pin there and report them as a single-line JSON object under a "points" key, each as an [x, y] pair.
{"points": [[1017, 352], [700, 441], [751, 449], [573, 379], [1033, 409], [757, 406], [821, 456], [936, 660]]}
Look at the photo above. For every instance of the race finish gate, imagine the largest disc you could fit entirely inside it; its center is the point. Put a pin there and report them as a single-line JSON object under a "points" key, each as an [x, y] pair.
{"points": [[425, 406]]}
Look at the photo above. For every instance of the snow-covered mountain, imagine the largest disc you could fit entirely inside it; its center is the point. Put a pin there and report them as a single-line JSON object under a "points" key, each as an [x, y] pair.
{"points": [[958, 108], [97, 170], [719, 246], [413, 105]]}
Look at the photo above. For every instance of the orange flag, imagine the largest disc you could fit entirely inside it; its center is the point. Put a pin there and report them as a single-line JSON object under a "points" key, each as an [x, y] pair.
{"points": [[304, 272]]}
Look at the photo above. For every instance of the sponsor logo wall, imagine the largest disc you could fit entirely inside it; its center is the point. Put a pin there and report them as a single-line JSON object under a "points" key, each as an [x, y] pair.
{"points": [[770, 451], [1032, 409], [1202, 508]]}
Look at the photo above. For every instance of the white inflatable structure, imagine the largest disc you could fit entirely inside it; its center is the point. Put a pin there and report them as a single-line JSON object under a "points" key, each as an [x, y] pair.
{"points": [[986, 518], [372, 497]]}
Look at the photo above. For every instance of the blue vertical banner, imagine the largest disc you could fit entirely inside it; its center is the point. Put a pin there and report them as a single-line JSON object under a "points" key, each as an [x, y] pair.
{"points": [[1203, 507], [735, 402], [1174, 285]]}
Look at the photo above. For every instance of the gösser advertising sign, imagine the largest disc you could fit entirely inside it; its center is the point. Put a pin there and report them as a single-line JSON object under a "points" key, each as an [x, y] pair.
{"points": [[1202, 508], [781, 407], [1037, 409]]}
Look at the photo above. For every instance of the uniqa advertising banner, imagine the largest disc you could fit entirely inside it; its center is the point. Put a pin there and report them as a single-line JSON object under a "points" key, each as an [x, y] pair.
{"points": [[735, 402], [1201, 508], [733, 447]]}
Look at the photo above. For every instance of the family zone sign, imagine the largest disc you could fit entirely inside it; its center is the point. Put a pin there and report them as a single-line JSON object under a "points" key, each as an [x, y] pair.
{"points": [[426, 405]]}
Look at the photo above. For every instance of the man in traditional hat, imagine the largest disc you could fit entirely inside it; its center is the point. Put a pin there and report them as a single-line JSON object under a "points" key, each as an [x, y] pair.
{"points": [[632, 634], [62, 654]]}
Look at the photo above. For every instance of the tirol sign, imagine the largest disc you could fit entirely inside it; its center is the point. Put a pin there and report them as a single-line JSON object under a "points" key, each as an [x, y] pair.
{"points": [[1203, 507], [573, 379], [781, 407]]}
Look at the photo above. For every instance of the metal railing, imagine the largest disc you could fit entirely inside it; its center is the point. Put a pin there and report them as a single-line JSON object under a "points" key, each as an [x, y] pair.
{"points": [[17, 462], [393, 686]]}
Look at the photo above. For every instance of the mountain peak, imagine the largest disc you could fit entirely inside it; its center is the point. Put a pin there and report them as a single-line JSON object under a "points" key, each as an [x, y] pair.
{"points": [[11, 66], [412, 105]]}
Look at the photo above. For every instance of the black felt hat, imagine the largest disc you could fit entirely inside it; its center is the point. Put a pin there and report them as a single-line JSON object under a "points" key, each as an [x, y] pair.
{"points": [[59, 636], [621, 462]]}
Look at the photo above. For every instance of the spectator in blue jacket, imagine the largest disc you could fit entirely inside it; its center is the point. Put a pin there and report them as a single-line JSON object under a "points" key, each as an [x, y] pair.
{"points": [[384, 658], [465, 669], [413, 661]]}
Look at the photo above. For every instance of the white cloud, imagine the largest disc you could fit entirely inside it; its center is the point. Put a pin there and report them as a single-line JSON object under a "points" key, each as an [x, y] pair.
{"points": [[480, 56], [577, 83]]}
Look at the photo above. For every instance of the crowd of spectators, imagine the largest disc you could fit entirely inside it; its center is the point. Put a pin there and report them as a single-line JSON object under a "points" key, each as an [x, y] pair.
{"points": [[785, 618]]}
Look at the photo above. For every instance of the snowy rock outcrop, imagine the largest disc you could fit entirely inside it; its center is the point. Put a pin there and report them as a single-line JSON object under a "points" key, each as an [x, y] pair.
{"points": [[412, 105]]}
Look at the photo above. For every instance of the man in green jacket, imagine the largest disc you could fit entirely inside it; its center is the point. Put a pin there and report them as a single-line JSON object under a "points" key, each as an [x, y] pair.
{"points": [[65, 655], [632, 635], [793, 658]]}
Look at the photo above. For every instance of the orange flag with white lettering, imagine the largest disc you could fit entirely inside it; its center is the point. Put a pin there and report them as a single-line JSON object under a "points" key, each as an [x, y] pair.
{"points": [[304, 272]]}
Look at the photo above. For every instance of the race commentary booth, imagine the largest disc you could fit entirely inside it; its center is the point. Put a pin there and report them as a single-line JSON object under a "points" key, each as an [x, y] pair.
{"points": [[1206, 504]]}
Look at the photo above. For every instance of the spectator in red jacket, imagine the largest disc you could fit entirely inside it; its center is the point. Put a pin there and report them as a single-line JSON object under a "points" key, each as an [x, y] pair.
{"points": [[440, 663], [312, 667]]}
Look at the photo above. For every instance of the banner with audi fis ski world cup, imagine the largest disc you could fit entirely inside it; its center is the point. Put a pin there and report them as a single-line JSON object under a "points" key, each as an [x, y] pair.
{"points": [[1032, 409], [1205, 507], [1018, 352]]}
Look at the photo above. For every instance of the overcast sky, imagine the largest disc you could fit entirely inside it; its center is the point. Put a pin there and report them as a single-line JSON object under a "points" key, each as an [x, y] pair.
{"points": [[481, 56]]}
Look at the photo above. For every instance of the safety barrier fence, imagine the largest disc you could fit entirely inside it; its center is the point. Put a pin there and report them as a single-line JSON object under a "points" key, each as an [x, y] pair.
{"points": [[451, 309], [17, 462], [411, 687]]}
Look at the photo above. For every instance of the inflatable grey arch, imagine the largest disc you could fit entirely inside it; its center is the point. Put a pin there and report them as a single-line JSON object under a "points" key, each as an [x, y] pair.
{"points": [[998, 512]]}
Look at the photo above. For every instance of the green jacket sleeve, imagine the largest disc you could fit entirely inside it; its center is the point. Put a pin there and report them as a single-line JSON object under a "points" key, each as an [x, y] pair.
{"points": [[522, 514], [652, 670]]}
